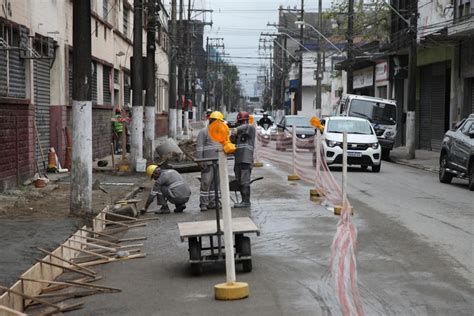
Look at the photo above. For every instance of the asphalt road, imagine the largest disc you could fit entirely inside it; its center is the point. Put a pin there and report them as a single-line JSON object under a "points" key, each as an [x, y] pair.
{"points": [[415, 239]]}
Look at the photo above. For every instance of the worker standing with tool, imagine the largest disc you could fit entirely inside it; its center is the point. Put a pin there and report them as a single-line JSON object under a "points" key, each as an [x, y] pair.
{"points": [[169, 186], [207, 149], [244, 139]]}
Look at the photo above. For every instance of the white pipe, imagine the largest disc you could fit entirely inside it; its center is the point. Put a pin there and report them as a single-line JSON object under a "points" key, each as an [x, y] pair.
{"points": [[186, 124], [294, 148], [149, 141], [81, 173], [344, 168], [227, 218], [172, 123], [318, 155], [137, 134], [179, 123]]}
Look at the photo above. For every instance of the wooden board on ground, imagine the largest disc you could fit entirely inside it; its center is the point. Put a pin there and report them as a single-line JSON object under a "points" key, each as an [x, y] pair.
{"points": [[208, 228]]}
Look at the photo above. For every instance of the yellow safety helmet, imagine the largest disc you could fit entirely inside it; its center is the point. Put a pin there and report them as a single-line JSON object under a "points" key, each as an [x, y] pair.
{"points": [[150, 170], [216, 115]]}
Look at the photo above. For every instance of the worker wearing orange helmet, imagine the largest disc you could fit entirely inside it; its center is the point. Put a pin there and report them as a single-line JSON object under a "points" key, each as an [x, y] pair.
{"points": [[207, 149], [244, 139]]}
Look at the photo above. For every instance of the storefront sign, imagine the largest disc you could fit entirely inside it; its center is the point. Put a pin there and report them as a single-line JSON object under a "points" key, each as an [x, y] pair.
{"points": [[381, 71], [363, 78]]}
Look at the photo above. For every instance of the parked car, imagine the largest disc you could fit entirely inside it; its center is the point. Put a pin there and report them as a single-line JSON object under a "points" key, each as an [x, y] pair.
{"points": [[457, 153], [363, 148], [382, 114], [231, 119], [304, 132], [266, 133]]}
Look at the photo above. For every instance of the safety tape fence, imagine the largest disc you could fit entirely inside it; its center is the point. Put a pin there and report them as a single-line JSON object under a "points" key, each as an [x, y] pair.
{"points": [[343, 263]]}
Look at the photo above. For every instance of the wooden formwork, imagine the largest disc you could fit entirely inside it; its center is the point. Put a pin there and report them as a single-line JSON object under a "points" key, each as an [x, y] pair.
{"points": [[15, 303]]}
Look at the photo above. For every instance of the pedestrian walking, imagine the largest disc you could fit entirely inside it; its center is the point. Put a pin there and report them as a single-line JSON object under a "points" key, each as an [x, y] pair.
{"points": [[207, 149], [244, 138], [169, 186]]}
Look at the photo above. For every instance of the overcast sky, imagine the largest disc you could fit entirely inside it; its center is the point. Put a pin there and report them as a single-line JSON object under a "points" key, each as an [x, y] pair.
{"points": [[240, 24]]}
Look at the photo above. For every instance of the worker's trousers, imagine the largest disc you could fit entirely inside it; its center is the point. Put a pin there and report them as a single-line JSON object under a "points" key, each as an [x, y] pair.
{"points": [[165, 195], [207, 195], [243, 172]]}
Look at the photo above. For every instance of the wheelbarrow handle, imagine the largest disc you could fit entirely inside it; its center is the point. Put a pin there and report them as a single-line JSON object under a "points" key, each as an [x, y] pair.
{"points": [[256, 179]]}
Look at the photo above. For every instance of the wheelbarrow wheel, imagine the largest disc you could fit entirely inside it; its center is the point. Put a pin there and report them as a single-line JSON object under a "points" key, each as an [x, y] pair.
{"points": [[245, 251], [195, 254]]}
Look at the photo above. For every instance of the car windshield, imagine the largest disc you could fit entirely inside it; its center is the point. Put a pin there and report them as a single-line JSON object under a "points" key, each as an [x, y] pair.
{"points": [[231, 117], [298, 121], [375, 112], [349, 126]]}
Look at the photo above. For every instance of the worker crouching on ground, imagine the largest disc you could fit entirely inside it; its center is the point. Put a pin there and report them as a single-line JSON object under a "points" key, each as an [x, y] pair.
{"points": [[169, 186], [207, 149], [244, 138]]}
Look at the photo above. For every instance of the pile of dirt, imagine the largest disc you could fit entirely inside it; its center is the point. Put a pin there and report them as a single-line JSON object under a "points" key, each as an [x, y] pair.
{"points": [[189, 148]]}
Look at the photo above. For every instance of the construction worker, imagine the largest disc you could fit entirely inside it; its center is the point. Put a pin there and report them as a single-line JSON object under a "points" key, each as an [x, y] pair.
{"points": [[169, 186], [244, 138], [206, 148], [117, 129]]}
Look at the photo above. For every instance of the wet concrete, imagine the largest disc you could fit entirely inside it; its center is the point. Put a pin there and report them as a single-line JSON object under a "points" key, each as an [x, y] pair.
{"points": [[400, 272]]}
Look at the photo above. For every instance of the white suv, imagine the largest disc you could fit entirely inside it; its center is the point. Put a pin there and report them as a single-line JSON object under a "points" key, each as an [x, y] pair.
{"points": [[363, 148]]}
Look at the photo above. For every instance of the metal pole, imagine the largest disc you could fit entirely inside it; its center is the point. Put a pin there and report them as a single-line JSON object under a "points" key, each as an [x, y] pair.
{"points": [[216, 200], [344, 168], [172, 70], [411, 114], [300, 72], [293, 131], [227, 217], [318, 156], [318, 63], [81, 173], [149, 141], [206, 95], [137, 84], [181, 70], [350, 34]]}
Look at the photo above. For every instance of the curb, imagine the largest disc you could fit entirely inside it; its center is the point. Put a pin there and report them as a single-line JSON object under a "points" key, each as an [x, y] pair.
{"points": [[414, 165]]}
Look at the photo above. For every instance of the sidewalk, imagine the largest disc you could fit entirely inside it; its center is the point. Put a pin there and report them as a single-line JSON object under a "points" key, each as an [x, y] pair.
{"points": [[424, 159]]}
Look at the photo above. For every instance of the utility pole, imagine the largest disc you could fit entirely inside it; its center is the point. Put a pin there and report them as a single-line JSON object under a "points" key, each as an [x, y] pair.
{"points": [[137, 84], [411, 114], [319, 73], [285, 63], [350, 54], [206, 92], [188, 72], [172, 118], [299, 105], [149, 142], [81, 173], [181, 70]]}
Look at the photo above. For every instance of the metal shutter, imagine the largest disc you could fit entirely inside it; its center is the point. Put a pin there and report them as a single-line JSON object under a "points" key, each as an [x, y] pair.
{"points": [[106, 85], [42, 85], [432, 105], [126, 89], [472, 95], [17, 75], [3, 73], [94, 82]]}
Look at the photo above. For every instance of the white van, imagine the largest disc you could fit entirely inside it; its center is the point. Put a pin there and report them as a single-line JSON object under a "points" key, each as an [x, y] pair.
{"points": [[382, 113]]}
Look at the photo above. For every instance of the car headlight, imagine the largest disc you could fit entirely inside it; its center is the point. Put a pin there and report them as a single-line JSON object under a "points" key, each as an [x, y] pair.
{"points": [[332, 143], [374, 145]]}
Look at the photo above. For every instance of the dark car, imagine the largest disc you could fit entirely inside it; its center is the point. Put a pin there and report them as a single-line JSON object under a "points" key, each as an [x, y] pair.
{"points": [[304, 132], [457, 153]]}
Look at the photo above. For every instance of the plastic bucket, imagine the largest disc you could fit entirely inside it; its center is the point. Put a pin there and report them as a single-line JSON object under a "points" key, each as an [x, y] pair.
{"points": [[40, 183], [140, 165]]}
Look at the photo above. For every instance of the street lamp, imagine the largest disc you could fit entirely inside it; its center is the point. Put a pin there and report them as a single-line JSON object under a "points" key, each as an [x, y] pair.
{"points": [[303, 23]]}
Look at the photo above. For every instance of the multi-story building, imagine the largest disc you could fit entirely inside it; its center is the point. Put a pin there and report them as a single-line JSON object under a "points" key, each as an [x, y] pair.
{"points": [[36, 78]]}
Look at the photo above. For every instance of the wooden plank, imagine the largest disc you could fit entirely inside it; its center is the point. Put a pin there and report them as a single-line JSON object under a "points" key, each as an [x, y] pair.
{"points": [[86, 251], [99, 234], [76, 284], [131, 239], [101, 261], [88, 244], [65, 268], [121, 216], [102, 241], [11, 311], [54, 288], [23, 295], [193, 229], [64, 260]]}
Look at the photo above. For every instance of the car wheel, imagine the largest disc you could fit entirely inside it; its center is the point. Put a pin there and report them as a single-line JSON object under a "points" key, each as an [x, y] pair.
{"points": [[376, 168], [444, 175], [471, 177]]}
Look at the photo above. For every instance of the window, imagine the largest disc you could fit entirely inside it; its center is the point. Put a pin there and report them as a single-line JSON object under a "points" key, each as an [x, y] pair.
{"points": [[106, 84], [96, 29], [126, 88], [105, 9], [116, 76], [467, 127], [105, 33], [349, 126], [12, 66], [126, 14]]}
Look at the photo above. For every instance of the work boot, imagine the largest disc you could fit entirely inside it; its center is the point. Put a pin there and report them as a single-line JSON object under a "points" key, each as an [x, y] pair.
{"points": [[212, 206], [203, 208], [245, 192], [163, 210], [242, 205], [179, 208]]}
